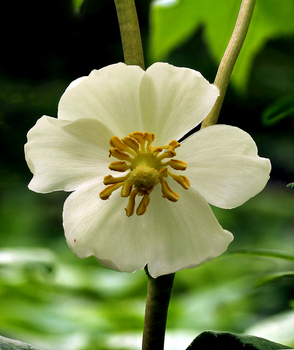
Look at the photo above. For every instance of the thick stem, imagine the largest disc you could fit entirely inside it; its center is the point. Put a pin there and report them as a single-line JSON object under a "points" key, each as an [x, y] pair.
{"points": [[158, 297], [229, 59], [130, 32]]}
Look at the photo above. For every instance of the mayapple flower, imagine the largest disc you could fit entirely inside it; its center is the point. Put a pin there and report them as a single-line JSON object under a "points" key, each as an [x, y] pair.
{"points": [[126, 121]]}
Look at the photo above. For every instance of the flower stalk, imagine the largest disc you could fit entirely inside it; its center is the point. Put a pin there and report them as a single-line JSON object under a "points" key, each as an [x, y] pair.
{"points": [[130, 32], [229, 59], [158, 297]]}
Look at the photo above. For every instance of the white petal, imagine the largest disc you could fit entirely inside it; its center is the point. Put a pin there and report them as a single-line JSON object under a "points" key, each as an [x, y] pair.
{"points": [[174, 100], [110, 95], [64, 155], [75, 82], [101, 228], [223, 165], [183, 234]]}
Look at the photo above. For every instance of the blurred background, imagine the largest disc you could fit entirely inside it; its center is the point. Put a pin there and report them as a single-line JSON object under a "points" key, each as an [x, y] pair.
{"points": [[53, 300]]}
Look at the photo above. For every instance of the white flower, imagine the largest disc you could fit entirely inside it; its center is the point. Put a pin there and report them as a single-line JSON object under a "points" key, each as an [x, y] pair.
{"points": [[178, 229]]}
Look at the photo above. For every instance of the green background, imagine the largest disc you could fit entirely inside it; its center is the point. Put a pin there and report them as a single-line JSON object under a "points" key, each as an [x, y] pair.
{"points": [[53, 300]]}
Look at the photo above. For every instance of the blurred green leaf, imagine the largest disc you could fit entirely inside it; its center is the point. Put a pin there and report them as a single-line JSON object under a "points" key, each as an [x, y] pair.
{"points": [[267, 253], [273, 277], [230, 341], [280, 109], [11, 256], [22, 264], [278, 327], [173, 22], [9, 344], [291, 185], [77, 4]]}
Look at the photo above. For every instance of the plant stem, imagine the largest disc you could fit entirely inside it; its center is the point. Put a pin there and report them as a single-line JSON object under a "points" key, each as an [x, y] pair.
{"points": [[130, 32], [158, 297], [229, 59]]}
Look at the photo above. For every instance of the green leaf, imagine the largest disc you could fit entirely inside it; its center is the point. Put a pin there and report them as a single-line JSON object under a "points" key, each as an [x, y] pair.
{"points": [[280, 109], [273, 277], [77, 5], [278, 327], [267, 253], [10, 256], [291, 185], [10, 344], [173, 22], [230, 341]]}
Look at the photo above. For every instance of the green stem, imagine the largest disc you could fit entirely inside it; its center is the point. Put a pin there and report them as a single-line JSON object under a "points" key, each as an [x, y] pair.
{"points": [[130, 32], [158, 297], [229, 59]]}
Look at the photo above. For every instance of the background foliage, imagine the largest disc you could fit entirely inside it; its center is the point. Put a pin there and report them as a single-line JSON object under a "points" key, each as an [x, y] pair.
{"points": [[51, 299]]}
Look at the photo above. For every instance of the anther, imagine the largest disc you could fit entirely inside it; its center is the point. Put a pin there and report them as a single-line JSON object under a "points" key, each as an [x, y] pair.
{"points": [[109, 179], [162, 173], [138, 135], [149, 137], [168, 192], [155, 150], [132, 143], [119, 166], [177, 164], [142, 207], [117, 153], [174, 144], [116, 142], [131, 203], [126, 189], [182, 180], [106, 193], [168, 154]]}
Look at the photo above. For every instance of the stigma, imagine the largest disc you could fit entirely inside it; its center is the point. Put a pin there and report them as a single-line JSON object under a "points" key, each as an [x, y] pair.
{"points": [[146, 167]]}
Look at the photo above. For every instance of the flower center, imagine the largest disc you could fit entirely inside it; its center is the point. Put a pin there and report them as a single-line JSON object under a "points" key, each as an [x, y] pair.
{"points": [[147, 167], [144, 177]]}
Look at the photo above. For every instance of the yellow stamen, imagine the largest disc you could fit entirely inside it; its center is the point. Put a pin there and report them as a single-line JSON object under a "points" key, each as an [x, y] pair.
{"points": [[106, 193], [117, 153], [109, 179], [132, 143], [146, 167], [142, 207], [168, 192], [126, 189], [138, 135], [155, 150], [149, 137], [131, 203], [119, 166], [182, 180], [177, 164], [163, 173], [116, 142], [168, 154], [174, 144]]}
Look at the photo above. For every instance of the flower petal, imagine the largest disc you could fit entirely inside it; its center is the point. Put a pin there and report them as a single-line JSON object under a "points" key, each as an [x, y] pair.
{"points": [[183, 234], [174, 100], [64, 155], [110, 95], [223, 165], [101, 228]]}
